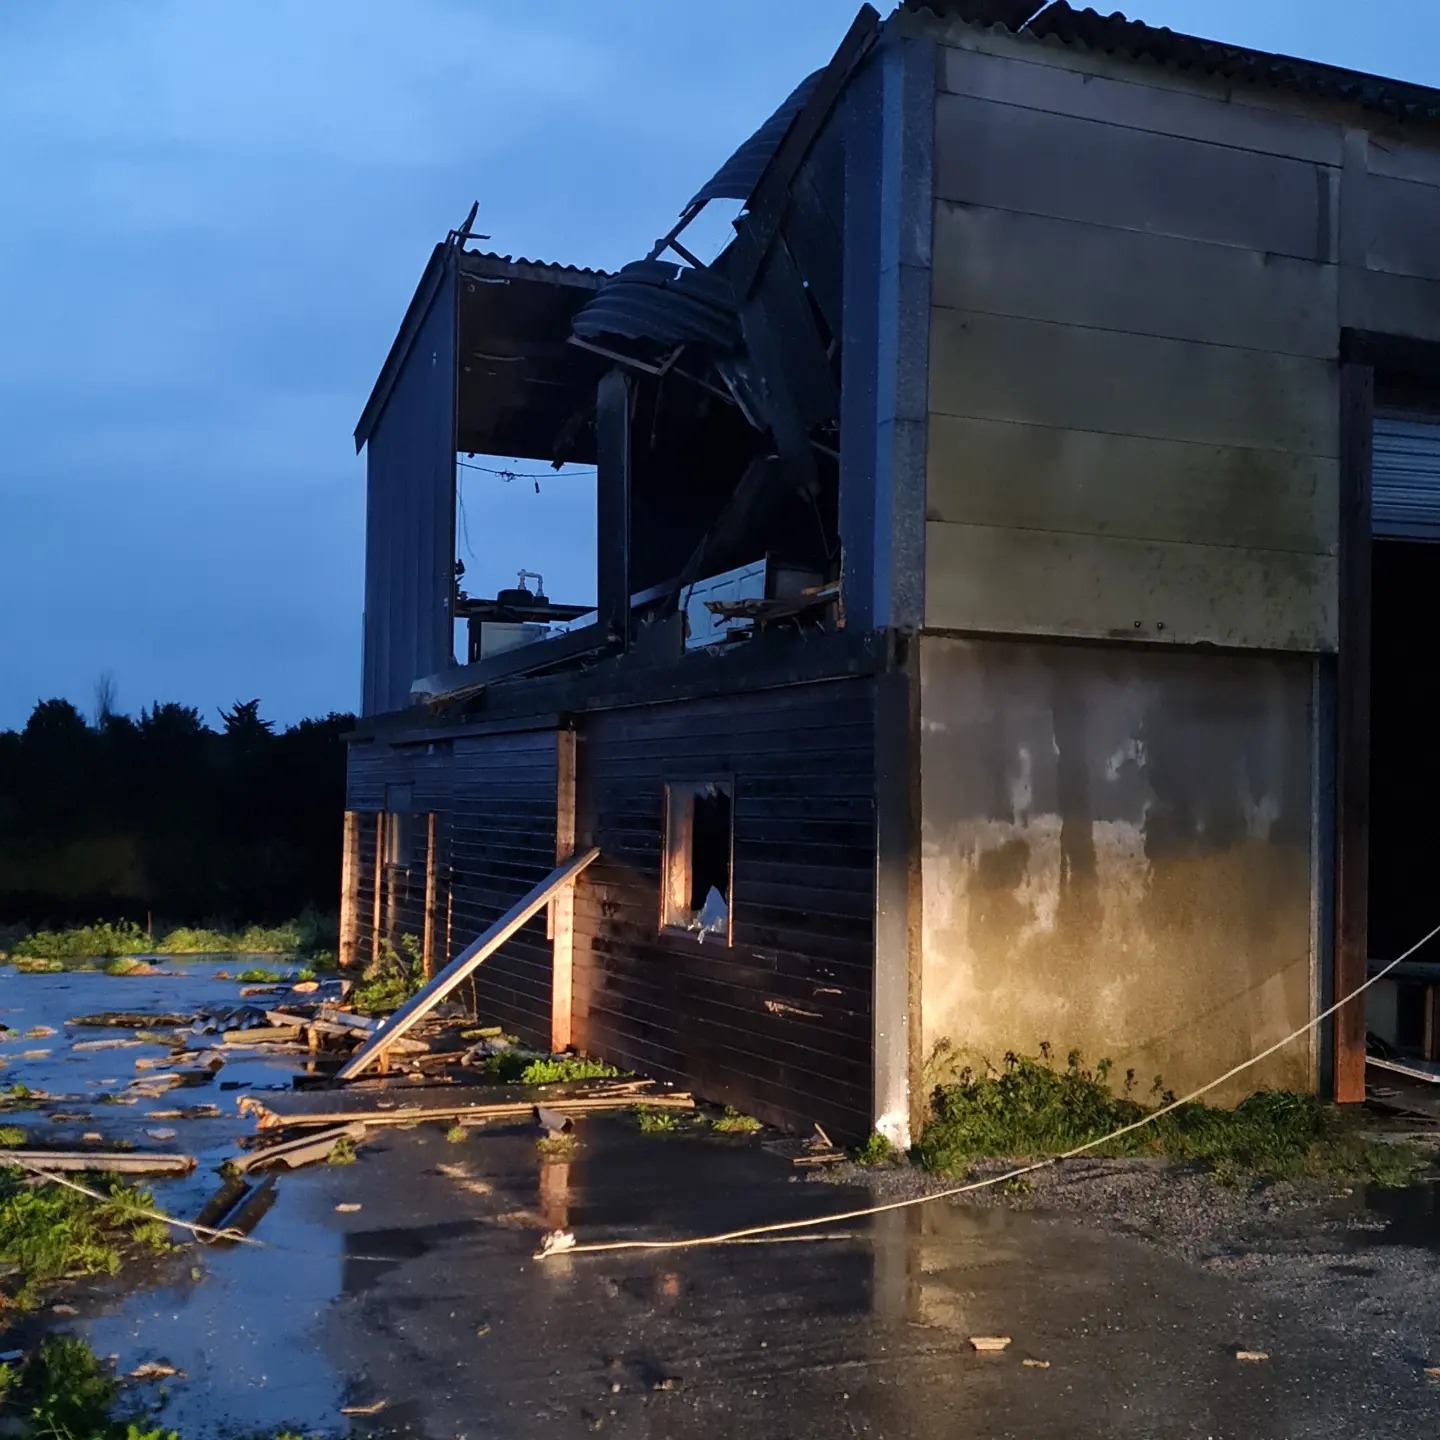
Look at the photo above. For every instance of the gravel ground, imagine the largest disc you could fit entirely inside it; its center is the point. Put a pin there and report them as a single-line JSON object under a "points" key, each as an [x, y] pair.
{"points": [[1356, 1260]]}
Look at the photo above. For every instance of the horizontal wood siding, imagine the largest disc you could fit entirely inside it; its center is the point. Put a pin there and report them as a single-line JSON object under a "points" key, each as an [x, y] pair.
{"points": [[777, 1024], [1135, 317], [500, 841]]}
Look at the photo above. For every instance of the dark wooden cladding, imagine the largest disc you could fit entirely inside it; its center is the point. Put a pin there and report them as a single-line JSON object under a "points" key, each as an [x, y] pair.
{"points": [[501, 842], [779, 1023]]}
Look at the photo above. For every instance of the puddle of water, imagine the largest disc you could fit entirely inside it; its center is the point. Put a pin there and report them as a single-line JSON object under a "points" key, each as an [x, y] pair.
{"points": [[244, 1334], [1412, 1215]]}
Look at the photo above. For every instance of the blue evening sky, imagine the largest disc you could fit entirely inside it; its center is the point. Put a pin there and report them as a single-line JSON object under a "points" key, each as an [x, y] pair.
{"points": [[214, 215]]}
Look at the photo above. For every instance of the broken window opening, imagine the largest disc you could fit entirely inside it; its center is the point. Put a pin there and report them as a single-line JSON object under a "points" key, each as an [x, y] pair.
{"points": [[401, 826], [699, 840]]}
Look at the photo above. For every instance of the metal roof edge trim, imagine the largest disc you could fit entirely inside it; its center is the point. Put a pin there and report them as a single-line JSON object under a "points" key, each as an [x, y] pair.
{"points": [[431, 279], [1087, 30]]}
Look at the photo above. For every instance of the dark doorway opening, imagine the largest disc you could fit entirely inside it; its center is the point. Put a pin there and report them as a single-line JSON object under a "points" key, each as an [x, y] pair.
{"points": [[1404, 878]]}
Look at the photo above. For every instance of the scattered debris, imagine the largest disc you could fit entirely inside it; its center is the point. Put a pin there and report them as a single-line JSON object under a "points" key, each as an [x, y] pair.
{"points": [[347, 1207], [374, 1408], [153, 1370], [306, 1150], [989, 1344], [554, 1242], [63, 1310], [186, 1112], [1433, 1371], [161, 1132], [553, 1122], [39, 1032], [1251, 1356], [1036, 1364], [120, 1042], [134, 1020]]}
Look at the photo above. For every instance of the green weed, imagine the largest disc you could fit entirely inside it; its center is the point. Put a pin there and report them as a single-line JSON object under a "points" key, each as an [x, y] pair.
{"points": [[875, 1149], [387, 983], [11, 1136], [515, 1067], [36, 965], [654, 1121], [258, 976], [556, 1147], [342, 1152], [49, 1233], [1031, 1109], [732, 1122], [456, 1134]]}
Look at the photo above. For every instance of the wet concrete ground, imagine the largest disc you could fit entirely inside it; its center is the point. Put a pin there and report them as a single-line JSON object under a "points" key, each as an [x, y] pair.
{"points": [[427, 1298]]}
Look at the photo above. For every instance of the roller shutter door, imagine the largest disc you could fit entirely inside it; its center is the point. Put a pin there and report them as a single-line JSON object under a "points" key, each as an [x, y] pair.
{"points": [[1405, 470]]}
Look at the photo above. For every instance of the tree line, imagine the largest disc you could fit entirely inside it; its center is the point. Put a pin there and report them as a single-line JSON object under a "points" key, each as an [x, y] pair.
{"points": [[161, 818]]}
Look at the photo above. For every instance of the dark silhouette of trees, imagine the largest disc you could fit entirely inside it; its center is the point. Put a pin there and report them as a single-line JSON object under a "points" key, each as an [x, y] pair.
{"points": [[161, 815]]}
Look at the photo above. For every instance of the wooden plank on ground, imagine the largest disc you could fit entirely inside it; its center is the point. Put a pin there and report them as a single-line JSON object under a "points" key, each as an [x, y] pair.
{"points": [[411, 1104], [469, 959], [117, 1162]]}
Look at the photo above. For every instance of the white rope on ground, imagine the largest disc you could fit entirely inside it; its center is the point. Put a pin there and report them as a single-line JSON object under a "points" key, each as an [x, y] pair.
{"points": [[731, 1236], [139, 1211]]}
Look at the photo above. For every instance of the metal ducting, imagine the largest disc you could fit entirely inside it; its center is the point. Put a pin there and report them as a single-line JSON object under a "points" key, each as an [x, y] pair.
{"points": [[1405, 478]]}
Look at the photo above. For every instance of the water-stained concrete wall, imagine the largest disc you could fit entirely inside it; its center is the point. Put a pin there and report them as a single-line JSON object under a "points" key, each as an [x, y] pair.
{"points": [[1117, 857]]}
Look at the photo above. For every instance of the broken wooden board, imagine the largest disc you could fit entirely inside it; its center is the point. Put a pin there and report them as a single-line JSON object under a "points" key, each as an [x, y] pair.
{"points": [[421, 1004], [442, 1102], [306, 1150], [1426, 1070], [118, 1162]]}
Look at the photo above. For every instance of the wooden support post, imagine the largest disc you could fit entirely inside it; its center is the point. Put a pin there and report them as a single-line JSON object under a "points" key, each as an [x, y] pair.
{"points": [[612, 505], [427, 944], [418, 1006], [349, 891], [1352, 789], [562, 907], [377, 906]]}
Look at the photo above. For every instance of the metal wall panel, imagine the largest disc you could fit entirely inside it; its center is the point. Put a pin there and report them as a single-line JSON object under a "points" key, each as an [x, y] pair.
{"points": [[1405, 484], [410, 515]]}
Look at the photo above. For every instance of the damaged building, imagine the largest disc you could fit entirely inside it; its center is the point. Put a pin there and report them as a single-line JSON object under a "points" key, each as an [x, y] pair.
{"points": [[1012, 548]]}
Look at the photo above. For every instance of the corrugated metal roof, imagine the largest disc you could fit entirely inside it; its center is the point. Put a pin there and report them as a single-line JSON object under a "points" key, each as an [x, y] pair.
{"points": [[669, 304], [1133, 39], [488, 263], [737, 177]]}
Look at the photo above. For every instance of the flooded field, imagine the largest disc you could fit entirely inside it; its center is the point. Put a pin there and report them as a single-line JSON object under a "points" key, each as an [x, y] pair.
{"points": [[400, 1294]]}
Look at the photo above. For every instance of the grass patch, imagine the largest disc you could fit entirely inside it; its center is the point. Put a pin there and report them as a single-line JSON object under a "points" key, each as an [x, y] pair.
{"points": [[455, 1134], [1031, 1109], [342, 1152], [49, 1233], [259, 977], [875, 1149], [387, 983], [654, 1121], [11, 1137], [107, 941], [556, 1147], [732, 1122], [515, 1067]]}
